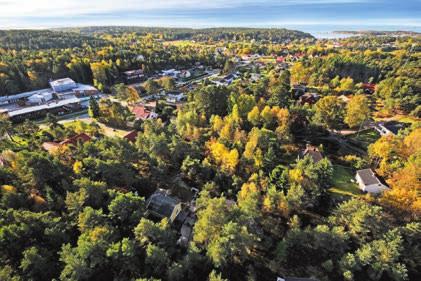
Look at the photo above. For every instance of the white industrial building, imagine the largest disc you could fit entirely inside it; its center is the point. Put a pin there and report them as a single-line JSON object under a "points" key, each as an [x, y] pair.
{"points": [[63, 85], [40, 98], [64, 96]]}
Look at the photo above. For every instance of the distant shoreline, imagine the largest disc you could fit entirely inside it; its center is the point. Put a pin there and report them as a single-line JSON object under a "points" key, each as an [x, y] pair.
{"points": [[376, 32]]}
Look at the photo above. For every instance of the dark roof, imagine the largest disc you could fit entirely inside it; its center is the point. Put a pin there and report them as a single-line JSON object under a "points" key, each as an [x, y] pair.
{"points": [[161, 204], [313, 152], [394, 126], [309, 98], [368, 177], [131, 136]]}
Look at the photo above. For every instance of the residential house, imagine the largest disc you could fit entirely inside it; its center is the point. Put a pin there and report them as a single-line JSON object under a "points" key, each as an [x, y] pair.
{"points": [[79, 138], [298, 90], [141, 113], [280, 59], [309, 98], [160, 205], [369, 88], [389, 128], [344, 98], [175, 97], [311, 151], [368, 182], [133, 76], [131, 136]]}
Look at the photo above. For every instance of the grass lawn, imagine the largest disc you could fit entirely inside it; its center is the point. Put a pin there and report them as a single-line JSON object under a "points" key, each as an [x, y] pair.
{"points": [[106, 130], [366, 137], [342, 185], [267, 60]]}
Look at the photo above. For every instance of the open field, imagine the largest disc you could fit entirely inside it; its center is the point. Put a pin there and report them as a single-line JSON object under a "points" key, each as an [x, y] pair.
{"points": [[341, 182], [365, 138]]}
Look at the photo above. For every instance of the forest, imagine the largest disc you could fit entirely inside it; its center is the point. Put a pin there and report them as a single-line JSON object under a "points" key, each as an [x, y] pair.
{"points": [[232, 153], [207, 34]]}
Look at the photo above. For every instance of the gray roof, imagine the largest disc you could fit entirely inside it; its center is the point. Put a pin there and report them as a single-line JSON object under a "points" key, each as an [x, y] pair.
{"points": [[79, 87], [368, 177], [62, 81], [161, 204]]}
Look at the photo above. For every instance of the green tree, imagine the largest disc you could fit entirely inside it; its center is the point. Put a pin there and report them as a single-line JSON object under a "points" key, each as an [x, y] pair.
{"points": [[329, 112], [167, 83], [125, 211], [156, 261], [362, 220], [6, 127], [214, 276], [211, 100], [93, 110], [36, 264], [377, 260], [151, 86], [233, 244]]}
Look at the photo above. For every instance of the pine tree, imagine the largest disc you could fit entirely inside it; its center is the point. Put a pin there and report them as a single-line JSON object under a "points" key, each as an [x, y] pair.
{"points": [[93, 110]]}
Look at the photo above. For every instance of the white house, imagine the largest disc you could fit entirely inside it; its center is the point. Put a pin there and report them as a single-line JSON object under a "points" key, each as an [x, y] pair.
{"points": [[389, 128], [368, 181], [175, 97]]}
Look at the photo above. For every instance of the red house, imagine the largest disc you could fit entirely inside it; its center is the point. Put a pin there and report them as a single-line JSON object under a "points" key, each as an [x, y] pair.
{"points": [[280, 59], [80, 138], [53, 146], [131, 136], [369, 88], [140, 112]]}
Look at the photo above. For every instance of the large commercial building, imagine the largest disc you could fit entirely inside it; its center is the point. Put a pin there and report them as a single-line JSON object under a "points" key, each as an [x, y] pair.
{"points": [[64, 96]]}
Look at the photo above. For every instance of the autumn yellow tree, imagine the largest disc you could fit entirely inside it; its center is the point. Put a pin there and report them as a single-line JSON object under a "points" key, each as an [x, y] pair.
{"points": [[357, 111], [254, 116], [299, 73], [225, 158], [405, 188]]}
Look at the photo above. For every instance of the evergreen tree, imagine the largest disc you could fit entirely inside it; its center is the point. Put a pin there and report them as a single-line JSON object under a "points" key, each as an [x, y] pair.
{"points": [[93, 110]]}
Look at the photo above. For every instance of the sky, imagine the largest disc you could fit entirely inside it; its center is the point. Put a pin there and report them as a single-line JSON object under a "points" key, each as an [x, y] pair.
{"points": [[301, 14]]}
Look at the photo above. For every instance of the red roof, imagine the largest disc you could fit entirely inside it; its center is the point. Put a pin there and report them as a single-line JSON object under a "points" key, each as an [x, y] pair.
{"points": [[131, 136], [280, 59], [370, 86], [75, 139], [140, 112]]}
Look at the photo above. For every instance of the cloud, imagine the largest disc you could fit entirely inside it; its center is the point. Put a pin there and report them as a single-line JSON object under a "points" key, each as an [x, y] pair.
{"points": [[48, 8]]}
